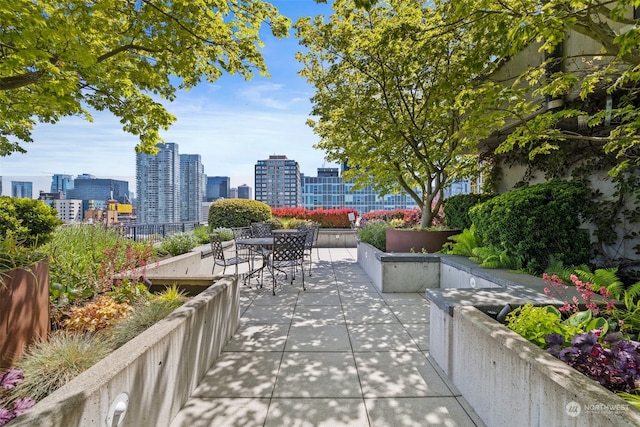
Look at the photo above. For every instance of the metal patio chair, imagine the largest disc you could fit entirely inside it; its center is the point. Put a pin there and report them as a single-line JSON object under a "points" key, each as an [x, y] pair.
{"points": [[219, 257], [288, 251], [310, 242], [261, 229]]}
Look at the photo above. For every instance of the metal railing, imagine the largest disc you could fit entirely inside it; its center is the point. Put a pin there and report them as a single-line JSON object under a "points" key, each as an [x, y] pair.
{"points": [[145, 232]]}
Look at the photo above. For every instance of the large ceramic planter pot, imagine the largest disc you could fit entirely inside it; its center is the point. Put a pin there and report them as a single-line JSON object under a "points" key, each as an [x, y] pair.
{"points": [[24, 310], [407, 240]]}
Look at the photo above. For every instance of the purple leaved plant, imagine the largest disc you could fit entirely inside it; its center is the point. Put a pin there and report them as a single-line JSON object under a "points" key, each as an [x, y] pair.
{"points": [[614, 362], [8, 380]]}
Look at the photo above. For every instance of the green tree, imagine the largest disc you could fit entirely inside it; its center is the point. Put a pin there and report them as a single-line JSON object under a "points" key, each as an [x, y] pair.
{"points": [[60, 58], [608, 68], [393, 96]]}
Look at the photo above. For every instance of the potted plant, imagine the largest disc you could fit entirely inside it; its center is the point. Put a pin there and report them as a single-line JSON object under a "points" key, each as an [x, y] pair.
{"points": [[404, 235], [25, 224]]}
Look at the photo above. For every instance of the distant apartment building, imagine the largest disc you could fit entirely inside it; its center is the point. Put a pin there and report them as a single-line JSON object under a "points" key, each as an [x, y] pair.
{"points": [[61, 183], [191, 187], [233, 193], [278, 182], [69, 210], [22, 189], [98, 189], [158, 185], [244, 192], [218, 187], [329, 191]]}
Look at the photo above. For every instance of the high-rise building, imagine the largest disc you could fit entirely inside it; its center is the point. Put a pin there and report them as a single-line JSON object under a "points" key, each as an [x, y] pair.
{"points": [[278, 182], [191, 187], [329, 191], [158, 185], [218, 187], [244, 192], [99, 189], [22, 189], [61, 183], [233, 193]]}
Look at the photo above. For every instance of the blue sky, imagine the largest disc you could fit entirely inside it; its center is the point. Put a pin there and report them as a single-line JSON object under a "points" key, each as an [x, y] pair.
{"points": [[231, 124]]}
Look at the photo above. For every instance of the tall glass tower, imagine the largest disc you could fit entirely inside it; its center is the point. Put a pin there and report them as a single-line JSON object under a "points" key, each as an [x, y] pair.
{"points": [[217, 187], [191, 187], [158, 185], [61, 183]]}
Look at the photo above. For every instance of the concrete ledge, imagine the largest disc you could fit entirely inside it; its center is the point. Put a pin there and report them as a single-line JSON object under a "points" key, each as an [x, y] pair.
{"points": [[336, 238], [158, 370], [509, 381], [399, 272]]}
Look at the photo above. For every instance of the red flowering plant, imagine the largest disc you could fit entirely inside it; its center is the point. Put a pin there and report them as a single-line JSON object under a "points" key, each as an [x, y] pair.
{"points": [[610, 358]]}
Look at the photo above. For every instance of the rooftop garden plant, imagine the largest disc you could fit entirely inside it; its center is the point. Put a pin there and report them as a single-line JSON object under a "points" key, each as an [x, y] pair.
{"points": [[25, 225], [325, 218], [592, 331]]}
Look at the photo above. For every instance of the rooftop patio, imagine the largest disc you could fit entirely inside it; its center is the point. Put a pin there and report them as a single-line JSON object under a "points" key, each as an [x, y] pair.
{"points": [[338, 354]]}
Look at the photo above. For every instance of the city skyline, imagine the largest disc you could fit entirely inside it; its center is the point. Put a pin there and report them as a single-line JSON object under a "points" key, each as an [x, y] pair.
{"points": [[230, 123]]}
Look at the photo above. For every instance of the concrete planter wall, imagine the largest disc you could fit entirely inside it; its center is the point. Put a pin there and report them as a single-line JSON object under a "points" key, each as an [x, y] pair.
{"points": [[509, 381], [336, 238], [505, 378], [405, 272], [157, 371], [24, 310]]}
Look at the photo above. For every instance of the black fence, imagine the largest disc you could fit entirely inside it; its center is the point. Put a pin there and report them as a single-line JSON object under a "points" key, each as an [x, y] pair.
{"points": [[145, 232]]}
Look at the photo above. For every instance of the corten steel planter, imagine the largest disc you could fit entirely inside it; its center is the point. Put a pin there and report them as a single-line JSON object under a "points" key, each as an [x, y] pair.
{"points": [[24, 310], [407, 240]]}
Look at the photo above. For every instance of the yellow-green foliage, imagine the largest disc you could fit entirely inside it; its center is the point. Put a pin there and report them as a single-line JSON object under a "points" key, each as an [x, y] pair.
{"points": [[99, 314]]}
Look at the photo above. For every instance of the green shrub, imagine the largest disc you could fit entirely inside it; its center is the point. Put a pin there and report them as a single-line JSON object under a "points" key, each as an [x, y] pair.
{"points": [[201, 234], [13, 255], [464, 243], [294, 223], [30, 221], [225, 234], [177, 244], [276, 223], [374, 233], [232, 213], [534, 323], [144, 316], [456, 209], [535, 223], [84, 257], [48, 365]]}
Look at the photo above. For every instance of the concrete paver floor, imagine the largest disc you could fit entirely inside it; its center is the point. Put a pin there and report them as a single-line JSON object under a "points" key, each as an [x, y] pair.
{"points": [[338, 354]]}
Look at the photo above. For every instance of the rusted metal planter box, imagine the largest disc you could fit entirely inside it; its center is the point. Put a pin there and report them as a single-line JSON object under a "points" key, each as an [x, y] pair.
{"points": [[24, 310]]}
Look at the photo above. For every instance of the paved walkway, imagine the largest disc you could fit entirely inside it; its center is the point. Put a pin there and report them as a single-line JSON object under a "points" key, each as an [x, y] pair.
{"points": [[337, 354]]}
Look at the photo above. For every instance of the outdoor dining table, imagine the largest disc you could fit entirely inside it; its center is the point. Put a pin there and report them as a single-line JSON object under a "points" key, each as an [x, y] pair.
{"points": [[256, 244]]}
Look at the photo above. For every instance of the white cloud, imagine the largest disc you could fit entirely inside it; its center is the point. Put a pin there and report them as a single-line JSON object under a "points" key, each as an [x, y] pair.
{"points": [[231, 124]]}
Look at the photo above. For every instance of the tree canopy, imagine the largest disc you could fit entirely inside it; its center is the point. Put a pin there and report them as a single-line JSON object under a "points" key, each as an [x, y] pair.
{"points": [[60, 58], [393, 96], [608, 67]]}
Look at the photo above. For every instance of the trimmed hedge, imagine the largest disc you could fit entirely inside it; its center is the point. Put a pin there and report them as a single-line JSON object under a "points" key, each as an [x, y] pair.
{"points": [[456, 208], [537, 222], [229, 213]]}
